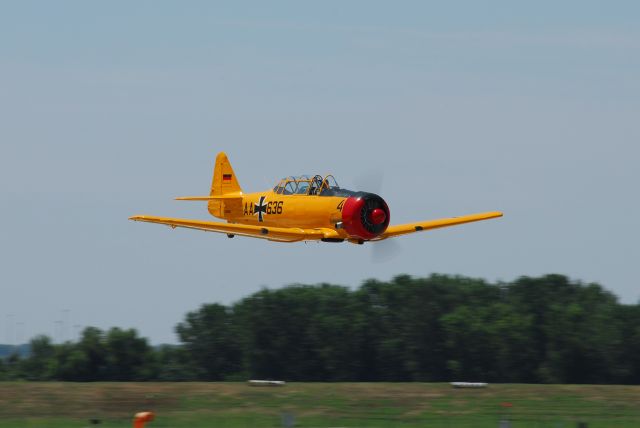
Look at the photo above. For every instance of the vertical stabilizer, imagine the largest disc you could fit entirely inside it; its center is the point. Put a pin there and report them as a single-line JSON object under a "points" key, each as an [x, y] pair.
{"points": [[224, 179], [224, 183]]}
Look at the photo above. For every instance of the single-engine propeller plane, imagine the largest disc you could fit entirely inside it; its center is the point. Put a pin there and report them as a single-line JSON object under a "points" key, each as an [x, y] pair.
{"points": [[300, 208]]}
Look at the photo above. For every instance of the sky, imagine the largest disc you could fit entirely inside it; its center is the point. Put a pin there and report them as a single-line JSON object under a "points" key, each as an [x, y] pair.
{"points": [[110, 109]]}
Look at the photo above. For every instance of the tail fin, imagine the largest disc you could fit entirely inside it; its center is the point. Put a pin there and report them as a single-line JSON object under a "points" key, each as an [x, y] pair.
{"points": [[224, 179]]}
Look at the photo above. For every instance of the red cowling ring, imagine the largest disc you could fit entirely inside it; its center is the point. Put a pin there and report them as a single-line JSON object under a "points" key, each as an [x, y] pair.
{"points": [[351, 222]]}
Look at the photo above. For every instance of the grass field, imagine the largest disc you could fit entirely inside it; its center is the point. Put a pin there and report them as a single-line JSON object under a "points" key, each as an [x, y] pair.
{"points": [[236, 405]]}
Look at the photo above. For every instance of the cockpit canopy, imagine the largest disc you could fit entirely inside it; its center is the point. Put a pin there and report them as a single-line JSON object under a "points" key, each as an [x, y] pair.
{"points": [[307, 185]]}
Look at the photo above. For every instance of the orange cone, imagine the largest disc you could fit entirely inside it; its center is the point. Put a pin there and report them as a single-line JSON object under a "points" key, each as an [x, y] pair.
{"points": [[142, 418]]}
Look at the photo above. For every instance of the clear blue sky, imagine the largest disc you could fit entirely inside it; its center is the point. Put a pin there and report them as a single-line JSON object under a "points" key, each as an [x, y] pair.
{"points": [[109, 109]]}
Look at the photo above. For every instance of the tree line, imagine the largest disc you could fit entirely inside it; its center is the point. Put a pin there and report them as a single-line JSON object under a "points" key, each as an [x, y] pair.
{"points": [[548, 329]]}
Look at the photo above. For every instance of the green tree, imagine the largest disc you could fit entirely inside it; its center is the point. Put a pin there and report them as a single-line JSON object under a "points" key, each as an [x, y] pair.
{"points": [[440, 328], [174, 363], [71, 363], [39, 365], [128, 357], [627, 364], [3, 370], [85, 360], [298, 333], [212, 341], [13, 367]]}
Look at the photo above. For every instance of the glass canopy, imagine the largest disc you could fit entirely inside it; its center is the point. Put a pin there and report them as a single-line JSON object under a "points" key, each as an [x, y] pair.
{"points": [[306, 185]]}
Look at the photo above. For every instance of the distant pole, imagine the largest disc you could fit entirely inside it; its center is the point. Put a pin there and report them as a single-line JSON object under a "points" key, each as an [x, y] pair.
{"points": [[76, 331], [9, 332], [57, 327], [65, 324], [19, 332]]}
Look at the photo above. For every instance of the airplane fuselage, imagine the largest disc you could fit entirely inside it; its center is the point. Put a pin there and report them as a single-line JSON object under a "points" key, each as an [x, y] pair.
{"points": [[277, 210]]}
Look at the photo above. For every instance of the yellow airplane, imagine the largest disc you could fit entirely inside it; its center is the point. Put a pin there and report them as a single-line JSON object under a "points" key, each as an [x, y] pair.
{"points": [[302, 208]]}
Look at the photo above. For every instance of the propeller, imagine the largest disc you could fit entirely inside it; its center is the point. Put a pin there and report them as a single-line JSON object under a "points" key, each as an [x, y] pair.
{"points": [[370, 181], [385, 251]]}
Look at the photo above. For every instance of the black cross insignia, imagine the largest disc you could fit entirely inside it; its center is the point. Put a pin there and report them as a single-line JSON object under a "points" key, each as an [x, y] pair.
{"points": [[260, 208]]}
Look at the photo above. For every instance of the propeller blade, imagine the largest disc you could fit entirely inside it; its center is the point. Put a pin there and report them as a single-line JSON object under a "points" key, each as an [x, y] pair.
{"points": [[385, 251], [370, 181]]}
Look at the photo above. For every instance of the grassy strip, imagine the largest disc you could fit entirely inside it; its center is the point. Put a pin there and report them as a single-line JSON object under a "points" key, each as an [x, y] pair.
{"points": [[317, 405]]}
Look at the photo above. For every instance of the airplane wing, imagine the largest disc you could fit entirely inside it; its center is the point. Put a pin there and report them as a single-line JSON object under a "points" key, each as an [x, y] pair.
{"points": [[284, 234], [403, 229]]}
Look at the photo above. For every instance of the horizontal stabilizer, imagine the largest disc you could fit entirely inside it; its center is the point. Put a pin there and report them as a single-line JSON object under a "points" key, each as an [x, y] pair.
{"points": [[209, 198]]}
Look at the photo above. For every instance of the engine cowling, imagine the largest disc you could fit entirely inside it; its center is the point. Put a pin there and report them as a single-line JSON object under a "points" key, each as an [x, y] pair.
{"points": [[365, 216]]}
